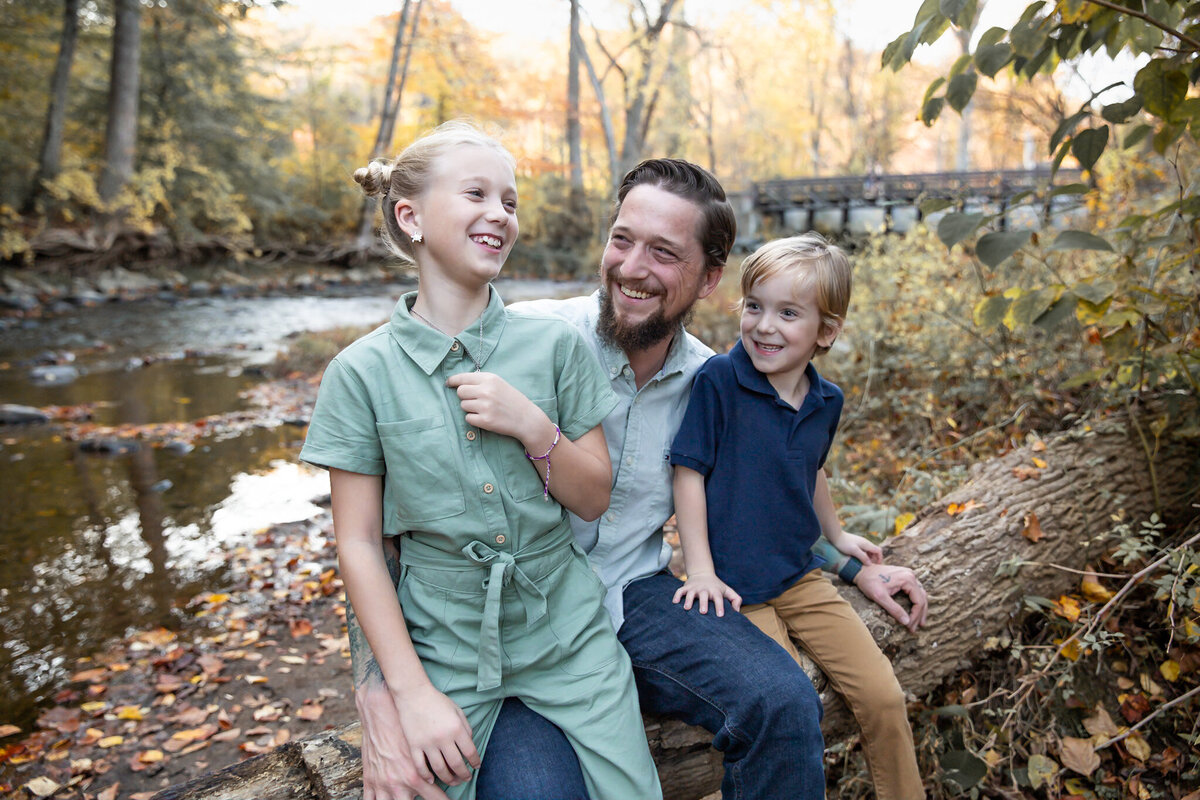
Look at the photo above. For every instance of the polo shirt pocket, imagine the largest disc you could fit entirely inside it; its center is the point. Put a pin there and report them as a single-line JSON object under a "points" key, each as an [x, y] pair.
{"points": [[422, 481], [520, 476]]}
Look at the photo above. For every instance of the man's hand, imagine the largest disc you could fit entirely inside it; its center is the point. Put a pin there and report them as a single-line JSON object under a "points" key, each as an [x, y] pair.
{"points": [[880, 581], [388, 769]]}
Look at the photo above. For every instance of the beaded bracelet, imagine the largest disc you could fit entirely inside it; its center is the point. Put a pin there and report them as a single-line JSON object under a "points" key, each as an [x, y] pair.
{"points": [[546, 457]]}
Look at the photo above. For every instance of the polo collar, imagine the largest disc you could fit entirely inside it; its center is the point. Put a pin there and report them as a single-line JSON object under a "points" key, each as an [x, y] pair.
{"points": [[615, 359], [428, 347], [750, 378]]}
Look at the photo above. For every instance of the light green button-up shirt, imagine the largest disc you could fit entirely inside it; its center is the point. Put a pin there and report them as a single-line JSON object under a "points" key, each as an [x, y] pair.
{"points": [[384, 409]]}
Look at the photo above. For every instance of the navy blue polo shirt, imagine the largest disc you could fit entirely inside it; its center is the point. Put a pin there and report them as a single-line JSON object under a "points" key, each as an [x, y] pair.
{"points": [[759, 458]]}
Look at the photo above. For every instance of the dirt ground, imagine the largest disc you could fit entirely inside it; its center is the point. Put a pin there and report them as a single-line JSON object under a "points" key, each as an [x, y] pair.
{"points": [[265, 662]]}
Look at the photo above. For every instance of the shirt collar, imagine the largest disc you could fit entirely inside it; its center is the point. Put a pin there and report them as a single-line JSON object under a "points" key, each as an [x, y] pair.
{"points": [[750, 378], [615, 359], [428, 347]]}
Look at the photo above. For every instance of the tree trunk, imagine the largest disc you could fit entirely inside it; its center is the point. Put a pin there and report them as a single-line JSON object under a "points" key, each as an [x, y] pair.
{"points": [[1092, 473], [574, 131], [120, 135], [388, 115], [50, 160]]}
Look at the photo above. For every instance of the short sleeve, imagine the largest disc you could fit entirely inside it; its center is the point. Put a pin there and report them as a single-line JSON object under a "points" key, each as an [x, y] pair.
{"points": [[695, 445], [585, 397], [342, 431]]}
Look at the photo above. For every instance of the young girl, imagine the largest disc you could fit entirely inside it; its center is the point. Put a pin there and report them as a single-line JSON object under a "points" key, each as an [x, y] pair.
{"points": [[464, 430]]}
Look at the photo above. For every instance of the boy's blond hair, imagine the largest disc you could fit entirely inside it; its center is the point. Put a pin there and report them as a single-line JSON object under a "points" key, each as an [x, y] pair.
{"points": [[813, 261]]}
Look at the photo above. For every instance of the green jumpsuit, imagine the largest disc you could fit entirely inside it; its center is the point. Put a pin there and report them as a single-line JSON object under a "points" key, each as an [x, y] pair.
{"points": [[498, 599]]}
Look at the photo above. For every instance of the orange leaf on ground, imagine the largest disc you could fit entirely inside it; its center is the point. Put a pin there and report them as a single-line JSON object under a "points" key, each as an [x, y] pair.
{"points": [[1135, 707], [310, 712], [150, 756], [1067, 607], [1033, 528], [300, 627], [90, 675], [1093, 590]]}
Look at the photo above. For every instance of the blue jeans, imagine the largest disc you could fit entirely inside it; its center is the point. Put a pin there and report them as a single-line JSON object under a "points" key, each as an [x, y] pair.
{"points": [[721, 673], [528, 758]]}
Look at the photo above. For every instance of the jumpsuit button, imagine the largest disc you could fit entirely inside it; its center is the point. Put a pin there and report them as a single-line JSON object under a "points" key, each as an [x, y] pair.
{"points": [[500, 539], [488, 488], [454, 347], [470, 436]]}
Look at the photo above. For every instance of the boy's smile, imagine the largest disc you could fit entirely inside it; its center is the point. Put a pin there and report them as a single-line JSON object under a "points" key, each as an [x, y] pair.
{"points": [[781, 330]]}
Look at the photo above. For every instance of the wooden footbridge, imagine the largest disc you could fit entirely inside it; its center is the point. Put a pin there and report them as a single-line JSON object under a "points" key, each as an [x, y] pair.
{"points": [[878, 202]]}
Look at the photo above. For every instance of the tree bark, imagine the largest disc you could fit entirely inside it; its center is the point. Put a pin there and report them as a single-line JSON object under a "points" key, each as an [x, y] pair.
{"points": [[387, 124], [120, 135], [574, 130], [1092, 473], [50, 159]]}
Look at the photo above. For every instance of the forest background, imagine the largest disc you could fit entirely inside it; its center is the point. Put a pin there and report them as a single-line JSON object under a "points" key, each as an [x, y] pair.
{"points": [[228, 134]]}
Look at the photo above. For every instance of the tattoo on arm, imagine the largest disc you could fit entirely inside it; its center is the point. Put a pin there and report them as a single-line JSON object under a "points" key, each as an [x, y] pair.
{"points": [[364, 667]]}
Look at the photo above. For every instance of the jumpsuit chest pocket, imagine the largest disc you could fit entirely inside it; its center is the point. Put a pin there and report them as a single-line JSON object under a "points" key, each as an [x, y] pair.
{"points": [[520, 476], [422, 481]]}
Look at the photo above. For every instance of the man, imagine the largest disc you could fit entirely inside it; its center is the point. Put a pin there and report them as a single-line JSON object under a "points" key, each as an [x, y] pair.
{"points": [[671, 234]]}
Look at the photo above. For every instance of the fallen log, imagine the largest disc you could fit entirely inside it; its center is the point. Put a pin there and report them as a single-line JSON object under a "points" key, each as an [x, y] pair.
{"points": [[1091, 474]]}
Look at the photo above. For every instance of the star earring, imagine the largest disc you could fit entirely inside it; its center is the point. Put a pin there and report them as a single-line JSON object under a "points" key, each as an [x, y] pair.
{"points": [[417, 238]]}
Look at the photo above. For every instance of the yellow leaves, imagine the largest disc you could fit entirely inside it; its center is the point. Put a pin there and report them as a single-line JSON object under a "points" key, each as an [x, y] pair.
{"points": [[1039, 463], [1092, 590], [110, 741], [130, 712], [150, 756], [1169, 669], [93, 706], [1137, 747], [1070, 650], [1033, 528], [1042, 770], [954, 509], [1067, 607], [902, 522], [1076, 11]]}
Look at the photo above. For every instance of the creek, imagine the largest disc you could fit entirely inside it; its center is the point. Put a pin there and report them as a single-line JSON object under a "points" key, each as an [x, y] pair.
{"points": [[95, 545]]}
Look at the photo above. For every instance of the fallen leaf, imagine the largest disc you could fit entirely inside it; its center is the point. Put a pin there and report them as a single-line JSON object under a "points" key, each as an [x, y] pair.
{"points": [[8, 730], [1137, 747], [142, 796], [310, 712], [1039, 463], [1038, 447], [293, 659], [1149, 686], [110, 793], [90, 675], [42, 786], [130, 712], [1169, 670], [1067, 607], [255, 679], [300, 627], [267, 714], [150, 756], [1022, 472], [1070, 650], [1041, 770], [1135, 707], [228, 736], [1091, 588], [110, 741], [1078, 755], [1101, 724], [93, 706], [1033, 528], [902, 522]]}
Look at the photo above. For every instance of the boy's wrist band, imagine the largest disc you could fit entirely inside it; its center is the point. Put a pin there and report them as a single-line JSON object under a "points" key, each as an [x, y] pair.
{"points": [[546, 457], [849, 571]]}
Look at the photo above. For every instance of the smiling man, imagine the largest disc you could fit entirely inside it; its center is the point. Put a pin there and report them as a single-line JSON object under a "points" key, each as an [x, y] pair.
{"points": [[671, 233]]}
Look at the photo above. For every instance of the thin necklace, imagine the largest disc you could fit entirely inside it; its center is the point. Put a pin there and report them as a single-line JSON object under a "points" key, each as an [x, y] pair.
{"points": [[440, 330]]}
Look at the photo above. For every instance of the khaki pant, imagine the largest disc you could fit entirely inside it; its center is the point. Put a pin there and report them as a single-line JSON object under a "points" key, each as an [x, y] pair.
{"points": [[813, 615]]}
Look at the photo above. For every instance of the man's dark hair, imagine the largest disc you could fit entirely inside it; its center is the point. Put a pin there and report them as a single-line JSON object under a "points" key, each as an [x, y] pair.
{"points": [[718, 227]]}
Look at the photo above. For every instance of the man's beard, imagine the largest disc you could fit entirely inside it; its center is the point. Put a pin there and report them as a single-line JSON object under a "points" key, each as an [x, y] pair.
{"points": [[642, 336]]}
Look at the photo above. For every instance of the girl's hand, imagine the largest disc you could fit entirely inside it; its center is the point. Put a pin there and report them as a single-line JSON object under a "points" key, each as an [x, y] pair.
{"points": [[860, 547], [492, 404], [439, 737], [708, 587]]}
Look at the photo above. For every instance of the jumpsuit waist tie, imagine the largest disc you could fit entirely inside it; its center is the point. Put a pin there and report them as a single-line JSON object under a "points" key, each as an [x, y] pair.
{"points": [[503, 570]]}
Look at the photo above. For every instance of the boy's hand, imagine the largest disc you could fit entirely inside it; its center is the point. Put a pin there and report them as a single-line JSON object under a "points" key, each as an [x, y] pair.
{"points": [[708, 587], [859, 547]]}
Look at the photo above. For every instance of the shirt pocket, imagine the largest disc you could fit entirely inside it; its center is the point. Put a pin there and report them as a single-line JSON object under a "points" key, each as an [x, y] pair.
{"points": [[422, 482], [520, 476]]}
